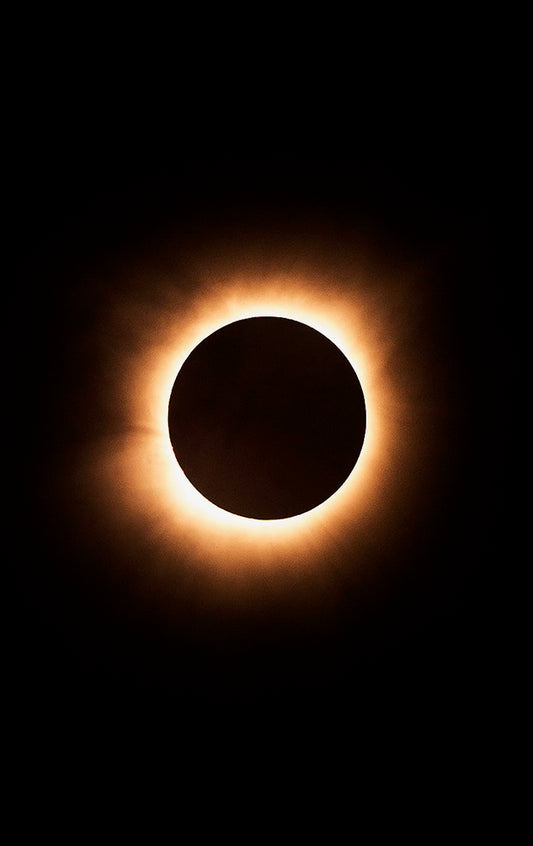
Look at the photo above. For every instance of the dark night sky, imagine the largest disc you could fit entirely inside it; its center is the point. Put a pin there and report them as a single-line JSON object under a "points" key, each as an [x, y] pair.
{"points": [[423, 642]]}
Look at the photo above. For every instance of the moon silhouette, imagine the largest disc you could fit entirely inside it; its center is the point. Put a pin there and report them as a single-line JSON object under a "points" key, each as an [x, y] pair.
{"points": [[267, 418]]}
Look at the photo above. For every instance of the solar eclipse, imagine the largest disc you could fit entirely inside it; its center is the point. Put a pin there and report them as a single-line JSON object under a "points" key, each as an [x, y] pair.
{"points": [[194, 528], [136, 478]]}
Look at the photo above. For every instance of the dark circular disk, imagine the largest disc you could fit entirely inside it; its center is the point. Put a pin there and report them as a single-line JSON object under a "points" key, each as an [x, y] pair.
{"points": [[267, 418]]}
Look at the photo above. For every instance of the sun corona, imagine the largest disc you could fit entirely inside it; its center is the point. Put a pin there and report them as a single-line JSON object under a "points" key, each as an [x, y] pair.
{"points": [[337, 320], [135, 473]]}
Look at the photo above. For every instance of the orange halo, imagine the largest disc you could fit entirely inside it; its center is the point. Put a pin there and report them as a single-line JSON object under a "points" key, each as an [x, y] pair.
{"points": [[151, 479], [137, 470]]}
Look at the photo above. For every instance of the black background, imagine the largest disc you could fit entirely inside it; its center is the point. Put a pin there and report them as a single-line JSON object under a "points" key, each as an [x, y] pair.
{"points": [[426, 649]]}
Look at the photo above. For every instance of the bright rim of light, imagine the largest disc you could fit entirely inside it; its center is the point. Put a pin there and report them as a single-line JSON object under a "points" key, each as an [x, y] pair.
{"points": [[187, 495], [213, 532]]}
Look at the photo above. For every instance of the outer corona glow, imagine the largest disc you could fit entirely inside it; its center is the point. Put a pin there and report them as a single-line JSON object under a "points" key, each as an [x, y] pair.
{"points": [[134, 474]]}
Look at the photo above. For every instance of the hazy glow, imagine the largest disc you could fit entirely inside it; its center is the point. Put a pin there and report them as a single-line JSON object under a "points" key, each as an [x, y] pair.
{"points": [[133, 479]]}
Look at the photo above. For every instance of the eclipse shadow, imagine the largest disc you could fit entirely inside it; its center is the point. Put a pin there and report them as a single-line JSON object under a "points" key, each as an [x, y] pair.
{"points": [[267, 418]]}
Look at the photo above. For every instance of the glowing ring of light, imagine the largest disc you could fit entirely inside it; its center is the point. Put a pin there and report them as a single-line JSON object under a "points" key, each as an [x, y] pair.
{"points": [[337, 320], [146, 486]]}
